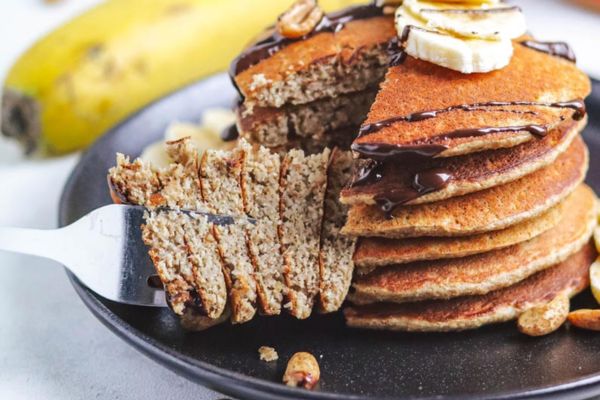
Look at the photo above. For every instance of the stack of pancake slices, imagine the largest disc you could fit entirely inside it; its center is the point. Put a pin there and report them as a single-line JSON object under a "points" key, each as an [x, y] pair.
{"points": [[452, 198]]}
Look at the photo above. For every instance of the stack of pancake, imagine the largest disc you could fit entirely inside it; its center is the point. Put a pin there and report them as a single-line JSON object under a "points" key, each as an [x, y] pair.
{"points": [[467, 195], [315, 90]]}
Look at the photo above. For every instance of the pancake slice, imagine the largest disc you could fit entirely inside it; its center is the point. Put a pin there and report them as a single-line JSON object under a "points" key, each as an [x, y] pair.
{"points": [[484, 211], [377, 252], [465, 174], [486, 272], [182, 247], [184, 253], [324, 65], [417, 86], [569, 277], [220, 174], [260, 188], [303, 181], [274, 127], [335, 258]]}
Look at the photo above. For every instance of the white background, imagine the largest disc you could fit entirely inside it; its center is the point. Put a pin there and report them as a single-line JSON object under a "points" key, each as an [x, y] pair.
{"points": [[51, 347]]}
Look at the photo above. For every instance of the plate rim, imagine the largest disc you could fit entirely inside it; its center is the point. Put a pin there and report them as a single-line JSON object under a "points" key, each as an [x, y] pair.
{"points": [[237, 384]]}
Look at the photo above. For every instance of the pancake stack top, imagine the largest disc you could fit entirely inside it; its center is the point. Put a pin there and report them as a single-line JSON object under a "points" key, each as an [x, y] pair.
{"points": [[312, 88], [467, 194]]}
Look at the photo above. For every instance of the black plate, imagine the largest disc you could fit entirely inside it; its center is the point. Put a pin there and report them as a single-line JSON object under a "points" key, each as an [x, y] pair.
{"points": [[494, 362]]}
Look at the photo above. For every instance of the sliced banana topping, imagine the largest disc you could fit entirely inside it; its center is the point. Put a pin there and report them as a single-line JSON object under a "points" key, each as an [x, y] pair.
{"points": [[466, 36], [479, 21]]}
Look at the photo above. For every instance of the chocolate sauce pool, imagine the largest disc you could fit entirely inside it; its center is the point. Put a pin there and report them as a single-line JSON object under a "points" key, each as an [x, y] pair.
{"points": [[424, 182]]}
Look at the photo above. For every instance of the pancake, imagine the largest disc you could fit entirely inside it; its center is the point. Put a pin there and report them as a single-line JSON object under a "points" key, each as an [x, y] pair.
{"points": [[484, 211], [377, 252], [482, 273], [323, 65], [274, 127], [417, 86], [569, 277], [465, 174]]}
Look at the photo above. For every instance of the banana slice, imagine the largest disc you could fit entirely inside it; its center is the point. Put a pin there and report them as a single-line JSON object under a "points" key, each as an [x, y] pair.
{"points": [[488, 21], [595, 279], [460, 54]]}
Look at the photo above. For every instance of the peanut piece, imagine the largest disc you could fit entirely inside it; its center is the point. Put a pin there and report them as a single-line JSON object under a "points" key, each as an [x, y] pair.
{"points": [[545, 319], [300, 19], [585, 319], [302, 371]]}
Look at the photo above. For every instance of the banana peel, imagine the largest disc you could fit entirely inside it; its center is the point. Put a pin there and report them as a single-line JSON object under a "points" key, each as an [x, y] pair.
{"points": [[86, 76]]}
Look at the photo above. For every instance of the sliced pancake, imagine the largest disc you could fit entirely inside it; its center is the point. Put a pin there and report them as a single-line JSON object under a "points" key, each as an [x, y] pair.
{"points": [[335, 258], [184, 253], [482, 273], [443, 178], [426, 106], [273, 127], [378, 252], [302, 190], [176, 186], [132, 182], [220, 177], [484, 211], [325, 64], [569, 277], [260, 188], [182, 247]]}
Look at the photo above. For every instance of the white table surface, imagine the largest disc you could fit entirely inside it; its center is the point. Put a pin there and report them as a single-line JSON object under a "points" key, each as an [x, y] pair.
{"points": [[51, 347]]}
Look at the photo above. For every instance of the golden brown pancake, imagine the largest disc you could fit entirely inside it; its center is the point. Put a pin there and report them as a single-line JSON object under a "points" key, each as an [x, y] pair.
{"points": [[418, 86], [489, 210], [332, 63], [482, 273], [570, 277], [469, 173], [378, 252]]}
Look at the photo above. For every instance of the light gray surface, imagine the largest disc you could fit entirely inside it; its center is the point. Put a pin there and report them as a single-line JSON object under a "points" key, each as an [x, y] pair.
{"points": [[51, 347]]}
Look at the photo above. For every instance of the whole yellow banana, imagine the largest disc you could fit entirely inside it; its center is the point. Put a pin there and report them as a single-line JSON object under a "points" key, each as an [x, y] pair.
{"points": [[89, 74]]}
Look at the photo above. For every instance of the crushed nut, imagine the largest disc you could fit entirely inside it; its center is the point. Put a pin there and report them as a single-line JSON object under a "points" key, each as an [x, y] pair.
{"points": [[267, 353], [585, 319], [302, 371], [300, 19], [545, 319]]}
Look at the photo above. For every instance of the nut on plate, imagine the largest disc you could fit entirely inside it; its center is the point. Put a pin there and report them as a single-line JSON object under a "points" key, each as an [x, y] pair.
{"points": [[267, 353], [585, 319], [302, 371], [300, 19], [545, 319]]}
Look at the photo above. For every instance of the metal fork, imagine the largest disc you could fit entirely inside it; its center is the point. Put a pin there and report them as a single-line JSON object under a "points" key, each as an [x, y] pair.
{"points": [[104, 250]]}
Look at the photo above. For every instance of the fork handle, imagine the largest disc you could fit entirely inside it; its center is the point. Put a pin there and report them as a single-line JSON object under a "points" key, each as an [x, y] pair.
{"points": [[36, 242]]}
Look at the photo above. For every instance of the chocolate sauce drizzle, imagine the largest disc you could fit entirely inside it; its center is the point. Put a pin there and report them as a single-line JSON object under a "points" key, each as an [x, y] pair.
{"points": [[578, 106], [333, 22], [557, 49], [376, 155]]}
